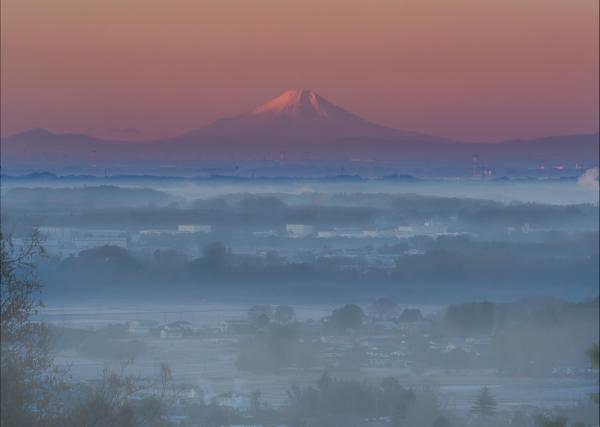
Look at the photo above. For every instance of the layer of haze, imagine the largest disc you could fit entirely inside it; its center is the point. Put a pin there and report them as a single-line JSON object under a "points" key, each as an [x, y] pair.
{"points": [[467, 69]]}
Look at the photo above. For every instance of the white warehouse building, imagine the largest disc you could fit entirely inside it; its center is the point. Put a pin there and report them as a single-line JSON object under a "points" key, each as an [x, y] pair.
{"points": [[299, 230], [194, 228]]}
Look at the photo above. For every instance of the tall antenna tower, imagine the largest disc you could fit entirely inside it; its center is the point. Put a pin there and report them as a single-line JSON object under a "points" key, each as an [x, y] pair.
{"points": [[476, 173]]}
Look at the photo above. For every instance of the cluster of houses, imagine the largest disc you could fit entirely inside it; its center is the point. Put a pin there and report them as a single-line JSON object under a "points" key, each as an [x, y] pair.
{"points": [[175, 330], [70, 241], [384, 341]]}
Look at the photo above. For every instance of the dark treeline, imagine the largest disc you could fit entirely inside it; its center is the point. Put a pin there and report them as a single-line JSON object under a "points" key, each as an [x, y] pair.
{"points": [[448, 266], [115, 206], [77, 199]]}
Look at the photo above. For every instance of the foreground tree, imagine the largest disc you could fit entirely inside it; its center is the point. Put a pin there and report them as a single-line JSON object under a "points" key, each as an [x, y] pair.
{"points": [[423, 410], [116, 400], [383, 309], [284, 314], [551, 422], [29, 381], [350, 316], [593, 354], [33, 393], [485, 404], [441, 421], [260, 315]]}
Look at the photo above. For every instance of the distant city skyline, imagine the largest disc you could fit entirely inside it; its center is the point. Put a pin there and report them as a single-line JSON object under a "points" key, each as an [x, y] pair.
{"points": [[466, 70]]}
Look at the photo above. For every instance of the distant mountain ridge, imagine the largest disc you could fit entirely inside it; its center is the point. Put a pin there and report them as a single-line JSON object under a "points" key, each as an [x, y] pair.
{"points": [[299, 115], [298, 125]]}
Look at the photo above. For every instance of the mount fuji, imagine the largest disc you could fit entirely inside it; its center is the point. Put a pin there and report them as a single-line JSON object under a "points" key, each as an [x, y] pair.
{"points": [[298, 125], [299, 116]]}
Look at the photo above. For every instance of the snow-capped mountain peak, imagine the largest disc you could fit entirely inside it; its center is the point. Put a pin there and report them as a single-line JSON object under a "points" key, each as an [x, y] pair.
{"points": [[294, 103]]}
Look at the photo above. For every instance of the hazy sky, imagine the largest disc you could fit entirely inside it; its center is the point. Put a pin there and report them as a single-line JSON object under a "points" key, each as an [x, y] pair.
{"points": [[469, 69]]}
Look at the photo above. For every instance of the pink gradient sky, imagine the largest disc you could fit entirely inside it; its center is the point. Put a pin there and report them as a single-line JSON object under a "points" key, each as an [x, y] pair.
{"points": [[466, 69]]}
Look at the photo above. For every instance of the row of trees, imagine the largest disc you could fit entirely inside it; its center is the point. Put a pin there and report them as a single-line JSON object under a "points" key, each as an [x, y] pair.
{"points": [[35, 393]]}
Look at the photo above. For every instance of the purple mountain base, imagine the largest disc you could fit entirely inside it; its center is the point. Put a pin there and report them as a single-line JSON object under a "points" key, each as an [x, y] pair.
{"points": [[295, 126]]}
